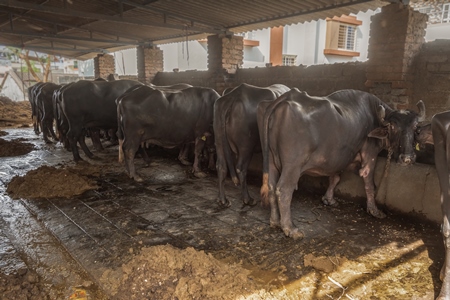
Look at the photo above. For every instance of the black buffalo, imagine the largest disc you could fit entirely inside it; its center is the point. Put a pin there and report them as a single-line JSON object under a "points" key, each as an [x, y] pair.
{"points": [[440, 137], [165, 118], [44, 103], [61, 123], [91, 104], [236, 134], [323, 136], [32, 96]]}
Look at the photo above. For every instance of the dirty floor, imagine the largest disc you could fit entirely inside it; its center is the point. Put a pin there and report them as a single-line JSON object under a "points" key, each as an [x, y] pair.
{"points": [[72, 244]]}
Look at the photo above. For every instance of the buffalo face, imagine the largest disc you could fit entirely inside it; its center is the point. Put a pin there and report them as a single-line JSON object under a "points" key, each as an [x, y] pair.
{"points": [[399, 132]]}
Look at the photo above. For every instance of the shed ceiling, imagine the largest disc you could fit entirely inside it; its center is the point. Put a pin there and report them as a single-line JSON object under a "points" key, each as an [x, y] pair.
{"points": [[81, 29]]}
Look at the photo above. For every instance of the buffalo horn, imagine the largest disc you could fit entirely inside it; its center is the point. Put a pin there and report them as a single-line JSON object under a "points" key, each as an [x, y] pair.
{"points": [[421, 107], [381, 114]]}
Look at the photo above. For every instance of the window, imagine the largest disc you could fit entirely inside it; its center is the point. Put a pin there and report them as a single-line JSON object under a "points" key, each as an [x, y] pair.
{"points": [[446, 13], [289, 60], [347, 37], [341, 36]]}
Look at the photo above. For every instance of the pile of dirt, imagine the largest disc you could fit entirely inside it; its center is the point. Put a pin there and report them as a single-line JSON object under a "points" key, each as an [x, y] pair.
{"points": [[50, 182], [14, 113], [14, 147], [22, 286], [165, 272]]}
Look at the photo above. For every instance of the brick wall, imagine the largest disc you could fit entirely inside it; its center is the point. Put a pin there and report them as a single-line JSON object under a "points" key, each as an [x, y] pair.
{"points": [[150, 61], [225, 57], [195, 78], [432, 77], [225, 52], [104, 65], [396, 36], [318, 80]]}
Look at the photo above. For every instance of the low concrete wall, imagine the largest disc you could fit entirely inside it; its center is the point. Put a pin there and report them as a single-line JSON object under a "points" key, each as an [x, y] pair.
{"points": [[413, 190]]}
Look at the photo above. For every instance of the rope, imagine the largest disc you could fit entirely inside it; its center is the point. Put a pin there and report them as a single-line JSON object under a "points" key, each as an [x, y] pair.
{"points": [[386, 171], [388, 163]]}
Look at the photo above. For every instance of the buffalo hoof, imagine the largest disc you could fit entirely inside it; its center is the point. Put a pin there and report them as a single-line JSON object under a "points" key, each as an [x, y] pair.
{"points": [[376, 213], [48, 142], [80, 161], [224, 203], [275, 224], [184, 162], [250, 202], [330, 202], [138, 178], [294, 233], [200, 174]]}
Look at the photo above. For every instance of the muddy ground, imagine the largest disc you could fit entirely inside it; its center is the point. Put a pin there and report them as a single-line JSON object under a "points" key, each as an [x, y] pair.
{"points": [[87, 231]]}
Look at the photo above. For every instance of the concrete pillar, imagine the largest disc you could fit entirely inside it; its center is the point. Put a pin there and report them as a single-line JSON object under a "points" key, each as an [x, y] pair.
{"points": [[104, 65], [396, 36], [150, 60], [225, 56]]}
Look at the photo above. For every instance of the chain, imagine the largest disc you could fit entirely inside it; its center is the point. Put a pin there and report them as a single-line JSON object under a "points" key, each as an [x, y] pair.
{"points": [[388, 162]]}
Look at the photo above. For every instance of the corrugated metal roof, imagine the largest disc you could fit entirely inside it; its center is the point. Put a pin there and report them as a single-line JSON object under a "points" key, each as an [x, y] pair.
{"points": [[83, 28]]}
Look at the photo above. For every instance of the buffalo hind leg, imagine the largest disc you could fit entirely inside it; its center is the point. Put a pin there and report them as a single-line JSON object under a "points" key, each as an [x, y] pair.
{"points": [[142, 150], [45, 131], [82, 142], [328, 198], [183, 155], [271, 179], [51, 130], [198, 149], [285, 188], [241, 170], [222, 170], [129, 152], [35, 124], [284, 196], [94, 134], [74, 137]]}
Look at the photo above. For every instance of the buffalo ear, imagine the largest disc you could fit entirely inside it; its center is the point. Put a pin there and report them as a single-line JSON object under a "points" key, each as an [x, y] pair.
{"points": [[379, 133]]}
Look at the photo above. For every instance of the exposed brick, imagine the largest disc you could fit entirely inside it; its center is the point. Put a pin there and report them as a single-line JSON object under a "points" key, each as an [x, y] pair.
{"points": [[104, 65]]}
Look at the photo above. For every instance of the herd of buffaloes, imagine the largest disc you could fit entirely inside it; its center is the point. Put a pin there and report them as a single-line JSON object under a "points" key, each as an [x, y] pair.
{"points": [[297, 134]]}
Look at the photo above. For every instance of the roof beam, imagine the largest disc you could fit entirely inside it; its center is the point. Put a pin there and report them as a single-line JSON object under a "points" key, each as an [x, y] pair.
{"points": [[99, 17], [179, 17], [70, 27], [65, 37], [45, 48]]}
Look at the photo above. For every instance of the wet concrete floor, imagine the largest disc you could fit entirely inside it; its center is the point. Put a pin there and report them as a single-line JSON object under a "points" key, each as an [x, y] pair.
{"points": [[71, 242]]}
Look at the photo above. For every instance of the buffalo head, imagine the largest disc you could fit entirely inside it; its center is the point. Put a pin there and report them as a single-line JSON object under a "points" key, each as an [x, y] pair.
{"points": [[398, 131]]}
